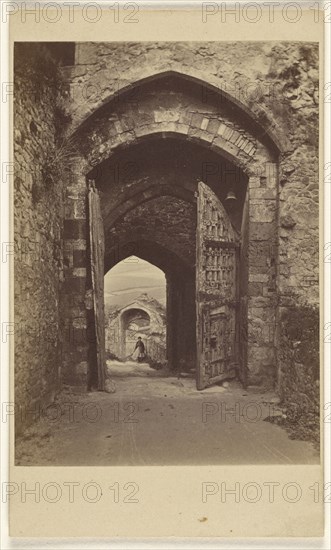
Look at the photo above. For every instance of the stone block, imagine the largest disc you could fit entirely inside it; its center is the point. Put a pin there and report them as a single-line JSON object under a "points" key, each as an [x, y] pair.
{"points": [[79, 272], [78, 244], [258, 277], [79, 258], [141, 131], [204, 123], [262, 193], [255, 289], [75, 208], [254, 181], [244, 144], [259, 265], [260, 356], [213, 126], [262, 211], [271, 174], [79, 322], [185, 117], [268, 290], [76, 190], [262, 231], [78, 336], [234, 137], [196, 133], [196, 120], [75, 285], [182, 128], [127, 122], [222, 128], [262, 302], [82, 368], [80, 208], [226, 145], [144, 118], [240, 141], [75, 229]]}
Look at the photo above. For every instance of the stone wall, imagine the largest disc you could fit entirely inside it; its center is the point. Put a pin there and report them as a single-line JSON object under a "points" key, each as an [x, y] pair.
{"points": [[38, 228], [156, 351], [78, 318], [276, 83], [152, 329], [253, 105], [295, 73], [299, 375]]}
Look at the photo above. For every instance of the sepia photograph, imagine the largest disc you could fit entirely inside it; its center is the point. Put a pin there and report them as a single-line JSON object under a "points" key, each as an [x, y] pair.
{"points": [[166, 224]]}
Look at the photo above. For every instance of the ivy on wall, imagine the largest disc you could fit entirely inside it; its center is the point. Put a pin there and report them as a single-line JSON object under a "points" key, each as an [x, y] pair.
{"points": [[38, 75], [299, 381]]}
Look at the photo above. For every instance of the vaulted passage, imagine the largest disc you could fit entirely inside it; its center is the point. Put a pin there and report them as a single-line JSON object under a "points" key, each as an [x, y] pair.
{"points": [[164, 166], [148, 196], [186, 180]]}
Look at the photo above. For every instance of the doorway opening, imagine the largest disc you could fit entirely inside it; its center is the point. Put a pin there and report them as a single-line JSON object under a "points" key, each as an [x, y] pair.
{"points": [[136, 324], [192, 228], [136, 310]]}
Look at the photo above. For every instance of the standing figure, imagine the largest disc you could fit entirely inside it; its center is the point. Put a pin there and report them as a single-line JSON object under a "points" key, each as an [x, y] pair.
{"points": [[140, 347]]}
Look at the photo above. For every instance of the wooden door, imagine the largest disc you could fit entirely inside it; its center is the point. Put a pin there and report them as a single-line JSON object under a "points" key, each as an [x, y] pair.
{"points": [[97, 252], [216, 291]]}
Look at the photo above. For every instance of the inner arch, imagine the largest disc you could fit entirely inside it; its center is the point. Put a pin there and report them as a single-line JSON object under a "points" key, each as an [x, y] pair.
{"points": [[158, 167], [148, 199], [135, 303]]}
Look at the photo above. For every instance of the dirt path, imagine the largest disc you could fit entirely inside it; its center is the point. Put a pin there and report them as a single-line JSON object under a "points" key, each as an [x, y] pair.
{"points": [[154, 419]]}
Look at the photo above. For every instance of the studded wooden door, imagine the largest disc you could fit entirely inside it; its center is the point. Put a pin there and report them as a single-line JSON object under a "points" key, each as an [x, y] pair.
{"points": [[216, 291], [97, 252]]}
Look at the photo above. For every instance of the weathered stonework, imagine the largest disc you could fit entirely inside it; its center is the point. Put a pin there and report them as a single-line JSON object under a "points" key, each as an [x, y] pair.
{"points": [[146, 131], [299, 375], [165, 221], [276, 83], [145, 318], [39, 194], [77, 320]]}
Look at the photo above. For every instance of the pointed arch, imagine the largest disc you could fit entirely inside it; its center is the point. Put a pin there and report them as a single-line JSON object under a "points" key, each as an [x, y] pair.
{"points": [[252, 113]]}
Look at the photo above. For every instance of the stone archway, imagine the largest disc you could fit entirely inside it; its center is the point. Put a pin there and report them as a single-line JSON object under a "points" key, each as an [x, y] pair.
{"points": [[169, 109], [128, 334], [180, 298]]}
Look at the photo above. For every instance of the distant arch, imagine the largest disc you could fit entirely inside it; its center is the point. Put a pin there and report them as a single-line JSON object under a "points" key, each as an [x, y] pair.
{"points": [[124, 326]]}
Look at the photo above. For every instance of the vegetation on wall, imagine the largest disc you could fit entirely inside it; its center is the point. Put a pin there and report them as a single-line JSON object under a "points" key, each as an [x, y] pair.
{"points": [[299, 381], [38, 77], [36, 64]]}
